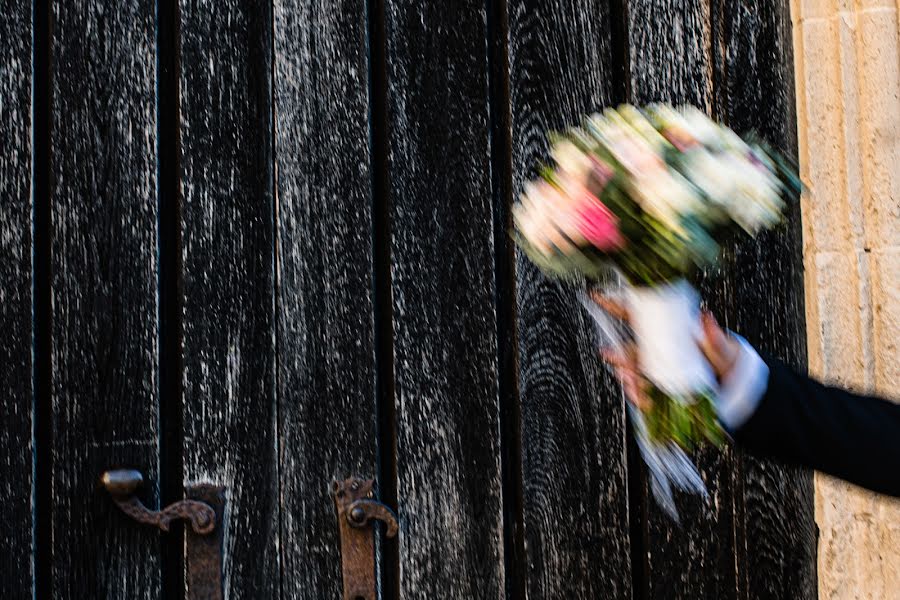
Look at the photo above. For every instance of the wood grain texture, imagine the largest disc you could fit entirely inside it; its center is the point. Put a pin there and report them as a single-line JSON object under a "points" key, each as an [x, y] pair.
{"points": [[104, 295], [575, 492], [445, 352], [16, 390], [325, 324], [670, 51], [672, 48], [230, 410], [778, 509]]}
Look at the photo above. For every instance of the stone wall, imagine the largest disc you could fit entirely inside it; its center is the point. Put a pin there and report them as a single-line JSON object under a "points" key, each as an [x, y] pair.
{"points": [[848, 109]]}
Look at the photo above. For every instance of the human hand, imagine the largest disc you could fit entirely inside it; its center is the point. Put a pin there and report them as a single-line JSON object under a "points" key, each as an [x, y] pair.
{"points": [[720, 349]]}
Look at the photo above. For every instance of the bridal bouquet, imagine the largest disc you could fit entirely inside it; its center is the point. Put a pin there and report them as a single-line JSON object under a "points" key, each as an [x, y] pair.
{"points": [[654, 193]]}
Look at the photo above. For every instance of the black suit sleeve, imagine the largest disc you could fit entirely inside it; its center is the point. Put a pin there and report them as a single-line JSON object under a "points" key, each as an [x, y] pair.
{"points": [[801, 421]]}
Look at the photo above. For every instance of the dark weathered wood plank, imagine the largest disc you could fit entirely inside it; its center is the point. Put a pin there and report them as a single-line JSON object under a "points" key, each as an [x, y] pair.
{"points": [[16, 393], [670, 47], [229, 327], [778, 515], [445, 353], [326, 345], [104, 294], [575, 489], [672, 59]]}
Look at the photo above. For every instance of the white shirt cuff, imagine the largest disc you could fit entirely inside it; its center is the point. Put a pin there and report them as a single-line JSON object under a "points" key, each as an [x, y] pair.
{"points": [[741, 391]]}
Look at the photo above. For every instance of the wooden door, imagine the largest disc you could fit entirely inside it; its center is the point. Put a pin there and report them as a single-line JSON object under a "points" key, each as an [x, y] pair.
{"points": [[264, 245]]}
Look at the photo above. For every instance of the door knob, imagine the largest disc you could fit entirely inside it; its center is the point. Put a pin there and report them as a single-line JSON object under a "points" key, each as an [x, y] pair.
{"points": [[123, 483]]}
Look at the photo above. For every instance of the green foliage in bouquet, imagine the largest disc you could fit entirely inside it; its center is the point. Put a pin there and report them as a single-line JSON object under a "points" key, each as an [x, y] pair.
{"points": [[685, 423]]}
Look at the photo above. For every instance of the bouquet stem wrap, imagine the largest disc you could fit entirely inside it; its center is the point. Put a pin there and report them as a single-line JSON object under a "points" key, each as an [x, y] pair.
{"points": [[666, 324]]}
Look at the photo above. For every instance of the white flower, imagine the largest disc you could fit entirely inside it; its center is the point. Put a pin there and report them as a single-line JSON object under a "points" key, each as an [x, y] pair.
{"points": [[701, 127], [668, 197], [642, 127], [709, 174], [571, 159], [748, 195], [547, 218]]}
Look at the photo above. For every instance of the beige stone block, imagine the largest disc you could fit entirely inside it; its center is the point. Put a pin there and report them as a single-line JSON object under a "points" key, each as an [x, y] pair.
{"points": [[879, 98], [825, 9], [852, 119], [886, 318], [823, 124], [866, 316], [888, 543], [859, 541], [844, 514], [811, 301], [795, 20], [799, 78], [888, 5], [839, 332], [821, 9]]}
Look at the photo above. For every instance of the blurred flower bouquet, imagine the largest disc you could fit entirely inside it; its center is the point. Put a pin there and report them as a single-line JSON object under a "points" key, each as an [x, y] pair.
{"points": [[654, 193]]}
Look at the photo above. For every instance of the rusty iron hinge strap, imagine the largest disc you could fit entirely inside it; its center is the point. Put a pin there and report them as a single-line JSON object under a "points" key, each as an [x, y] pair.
{"points": [[356, 509], [203, 556]]}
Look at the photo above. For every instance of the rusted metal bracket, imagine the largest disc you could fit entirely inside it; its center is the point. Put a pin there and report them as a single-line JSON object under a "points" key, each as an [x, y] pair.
{"points": [[356, 509], [123, 483], [203, 560]]}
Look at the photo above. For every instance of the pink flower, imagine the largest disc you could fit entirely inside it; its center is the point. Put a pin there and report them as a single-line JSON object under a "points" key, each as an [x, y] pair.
{"points": [[599, 226]]}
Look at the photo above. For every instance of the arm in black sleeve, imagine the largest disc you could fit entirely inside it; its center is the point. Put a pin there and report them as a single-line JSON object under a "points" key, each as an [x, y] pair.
{"points": [[801, 421]]}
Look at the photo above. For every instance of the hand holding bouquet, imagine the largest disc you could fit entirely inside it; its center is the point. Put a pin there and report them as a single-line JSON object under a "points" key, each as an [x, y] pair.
{"points": [[654, 193]]}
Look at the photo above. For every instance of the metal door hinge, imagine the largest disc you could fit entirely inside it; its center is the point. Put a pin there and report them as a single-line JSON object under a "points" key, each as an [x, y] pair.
{"points": [[356, 509], [203, 553]]}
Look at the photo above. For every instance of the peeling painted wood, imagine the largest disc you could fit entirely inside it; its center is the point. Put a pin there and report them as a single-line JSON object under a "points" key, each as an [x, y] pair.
{"points": [[325, 319], [444, 317], [105, 381], [229, 278], [16, 393], [573, 422], [779, 552]]}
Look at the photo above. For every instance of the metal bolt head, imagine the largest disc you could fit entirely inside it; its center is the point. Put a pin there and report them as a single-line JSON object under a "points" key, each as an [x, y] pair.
{"points": [[357, 515], [202, 519]]}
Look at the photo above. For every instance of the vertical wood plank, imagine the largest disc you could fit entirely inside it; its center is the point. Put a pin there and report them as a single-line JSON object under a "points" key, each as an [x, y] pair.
{"points": [[445, 352], [778, 508], [326, 344], [672, 47], [575, 488], [16, 390], [228, 255], [104, 294]]}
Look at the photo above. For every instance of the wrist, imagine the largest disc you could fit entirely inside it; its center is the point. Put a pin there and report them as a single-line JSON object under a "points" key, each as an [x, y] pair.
{"points": [[743, 386]]}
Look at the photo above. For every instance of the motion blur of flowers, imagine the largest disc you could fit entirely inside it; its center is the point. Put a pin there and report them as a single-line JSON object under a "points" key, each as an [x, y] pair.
{"points": [[653, 192]]}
